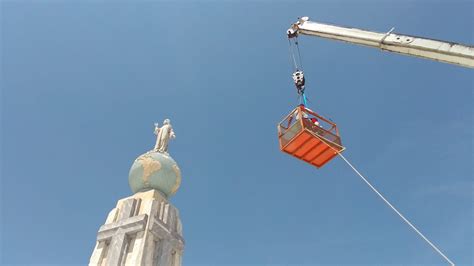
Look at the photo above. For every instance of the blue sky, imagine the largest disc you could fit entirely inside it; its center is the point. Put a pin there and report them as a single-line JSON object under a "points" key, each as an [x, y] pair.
{"points": [[82, 83]]}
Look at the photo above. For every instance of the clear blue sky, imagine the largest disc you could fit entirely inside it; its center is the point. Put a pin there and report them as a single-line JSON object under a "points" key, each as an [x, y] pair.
{"points": [[82, 83]]}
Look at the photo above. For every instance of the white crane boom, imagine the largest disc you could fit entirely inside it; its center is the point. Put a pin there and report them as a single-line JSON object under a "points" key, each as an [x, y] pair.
{"points": [[447, 52]]}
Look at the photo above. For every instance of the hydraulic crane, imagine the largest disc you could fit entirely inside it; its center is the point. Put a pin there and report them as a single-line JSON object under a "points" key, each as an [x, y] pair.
{"points": [[318, 144], [447, 52], [314, 139]]}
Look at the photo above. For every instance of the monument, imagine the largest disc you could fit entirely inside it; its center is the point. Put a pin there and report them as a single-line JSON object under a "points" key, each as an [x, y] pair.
{"points": [[145, 228]]}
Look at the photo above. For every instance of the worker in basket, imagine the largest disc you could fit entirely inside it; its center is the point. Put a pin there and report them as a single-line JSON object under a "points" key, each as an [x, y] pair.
{"points": [[305, 115], [315, 121]]}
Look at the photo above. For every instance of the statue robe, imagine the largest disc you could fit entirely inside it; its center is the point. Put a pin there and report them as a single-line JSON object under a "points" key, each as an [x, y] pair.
{"points": [[163, 137]]}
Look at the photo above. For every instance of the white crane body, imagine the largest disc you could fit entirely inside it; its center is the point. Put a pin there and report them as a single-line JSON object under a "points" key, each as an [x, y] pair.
{"points": [[308, 147], [447, 52]]}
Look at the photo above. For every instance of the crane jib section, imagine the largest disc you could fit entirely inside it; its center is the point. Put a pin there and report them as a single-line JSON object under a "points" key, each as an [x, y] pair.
{"points": [[447, 52]]}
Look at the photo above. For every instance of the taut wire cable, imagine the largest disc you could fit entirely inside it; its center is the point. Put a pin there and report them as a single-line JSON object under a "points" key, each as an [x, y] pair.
{"points": [[395, 210], [292, 56]]}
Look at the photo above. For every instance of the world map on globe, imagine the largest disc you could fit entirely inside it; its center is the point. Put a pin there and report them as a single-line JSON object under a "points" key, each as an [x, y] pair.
{"points": [[155, 170]]}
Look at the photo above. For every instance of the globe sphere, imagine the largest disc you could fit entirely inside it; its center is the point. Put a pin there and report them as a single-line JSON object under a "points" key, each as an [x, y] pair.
{"points": [[155, 170]]}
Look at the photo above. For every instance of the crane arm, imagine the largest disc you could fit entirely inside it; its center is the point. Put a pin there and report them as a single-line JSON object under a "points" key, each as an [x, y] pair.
{"points": [[442, 51]]}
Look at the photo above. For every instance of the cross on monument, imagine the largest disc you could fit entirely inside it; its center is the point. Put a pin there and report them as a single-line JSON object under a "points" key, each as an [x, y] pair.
{"points": [[173, 242], [117, 232]]}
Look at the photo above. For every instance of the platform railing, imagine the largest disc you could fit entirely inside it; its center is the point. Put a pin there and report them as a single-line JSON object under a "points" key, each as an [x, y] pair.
{"points": [[320, 131], [289, 127], [302, 116]]}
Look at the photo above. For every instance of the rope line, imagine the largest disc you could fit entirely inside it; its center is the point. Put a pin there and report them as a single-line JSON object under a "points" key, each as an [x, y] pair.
{"points": [[299, 54], [396, 211], [292, 56]]}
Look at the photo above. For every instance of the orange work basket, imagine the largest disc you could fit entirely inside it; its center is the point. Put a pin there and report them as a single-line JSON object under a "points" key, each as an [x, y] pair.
{"points": [[309, 137]]}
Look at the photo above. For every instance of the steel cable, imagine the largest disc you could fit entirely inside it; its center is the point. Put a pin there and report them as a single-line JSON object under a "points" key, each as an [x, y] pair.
{"points": [[395, 210]]}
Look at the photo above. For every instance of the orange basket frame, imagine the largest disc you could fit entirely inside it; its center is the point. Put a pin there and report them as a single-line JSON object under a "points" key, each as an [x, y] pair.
{"points": [[301, 138]]}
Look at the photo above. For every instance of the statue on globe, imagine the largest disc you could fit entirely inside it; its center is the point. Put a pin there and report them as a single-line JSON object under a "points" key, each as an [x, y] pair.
{"points": [[163, 136]]}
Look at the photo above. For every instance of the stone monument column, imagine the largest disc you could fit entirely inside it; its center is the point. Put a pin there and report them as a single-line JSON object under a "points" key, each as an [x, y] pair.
{"points": [[145, 228]]}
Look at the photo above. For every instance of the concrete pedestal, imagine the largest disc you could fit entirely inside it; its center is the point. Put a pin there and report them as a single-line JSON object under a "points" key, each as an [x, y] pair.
{"points": [[144, 229]]}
